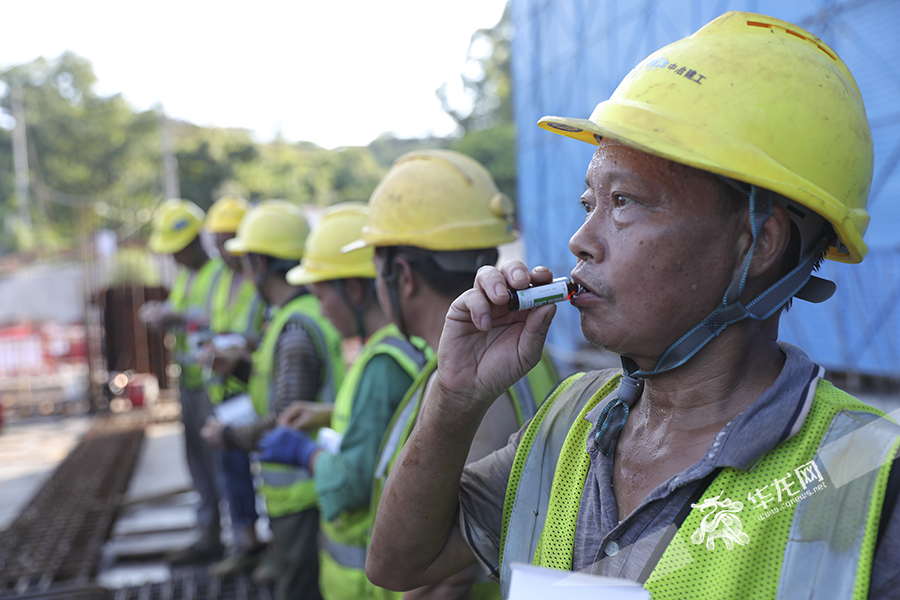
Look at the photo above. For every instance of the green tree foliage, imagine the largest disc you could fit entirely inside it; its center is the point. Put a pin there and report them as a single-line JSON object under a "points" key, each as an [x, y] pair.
{"points": [[494, 148], [134, 266], [83, 149], [95, 162], [490, 89], [303, 173], [386, 148], [208, 159], [489, 134]]}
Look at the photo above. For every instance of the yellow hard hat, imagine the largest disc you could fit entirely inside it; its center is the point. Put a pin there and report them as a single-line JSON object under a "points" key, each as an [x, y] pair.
{"points": [[274, 228], [175, 225], [323, 259], [755, 99], [225, 214], [437, 200]]}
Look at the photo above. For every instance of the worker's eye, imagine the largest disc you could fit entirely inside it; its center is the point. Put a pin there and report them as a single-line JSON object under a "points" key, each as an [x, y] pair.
{"points": [[620, 200], [587, 206]]}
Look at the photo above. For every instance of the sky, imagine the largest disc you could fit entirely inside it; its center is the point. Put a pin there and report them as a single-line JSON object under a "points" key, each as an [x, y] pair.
{"points": [[333, 72]]}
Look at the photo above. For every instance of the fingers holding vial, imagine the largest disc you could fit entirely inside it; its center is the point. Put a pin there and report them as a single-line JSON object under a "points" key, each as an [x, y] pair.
{"points": [[513, 286]]}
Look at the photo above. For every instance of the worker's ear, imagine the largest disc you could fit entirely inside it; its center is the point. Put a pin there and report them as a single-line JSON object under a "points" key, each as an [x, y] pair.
{"points": [[259, 263], [407, 280], [771, 243], [356, 290]]}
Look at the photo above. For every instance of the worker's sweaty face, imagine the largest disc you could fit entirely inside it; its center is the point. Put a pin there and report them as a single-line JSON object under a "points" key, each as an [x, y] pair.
{"points": [[655, 252]]}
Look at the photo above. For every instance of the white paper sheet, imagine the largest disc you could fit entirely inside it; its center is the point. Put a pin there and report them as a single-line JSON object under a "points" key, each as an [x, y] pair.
{"points": [[538, 583]]}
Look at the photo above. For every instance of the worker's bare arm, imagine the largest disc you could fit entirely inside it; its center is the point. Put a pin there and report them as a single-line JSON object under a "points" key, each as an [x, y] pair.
{"points": [[484, 349]]}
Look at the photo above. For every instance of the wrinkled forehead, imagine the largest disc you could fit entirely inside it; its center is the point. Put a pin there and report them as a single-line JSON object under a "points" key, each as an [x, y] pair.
{"points": [[615, 162]]}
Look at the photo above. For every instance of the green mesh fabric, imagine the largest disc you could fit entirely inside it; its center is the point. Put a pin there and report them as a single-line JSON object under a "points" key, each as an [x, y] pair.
{"points": [[691, 570], [558, 538], [867, 552], [522, 455], [751, 570]]}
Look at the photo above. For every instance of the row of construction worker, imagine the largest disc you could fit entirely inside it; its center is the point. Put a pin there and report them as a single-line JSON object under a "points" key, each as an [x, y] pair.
{"points": [[728, 165], [271, 386]]}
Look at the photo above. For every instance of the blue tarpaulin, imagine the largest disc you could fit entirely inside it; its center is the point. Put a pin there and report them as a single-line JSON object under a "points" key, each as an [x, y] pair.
{"points": [[569, 55]]}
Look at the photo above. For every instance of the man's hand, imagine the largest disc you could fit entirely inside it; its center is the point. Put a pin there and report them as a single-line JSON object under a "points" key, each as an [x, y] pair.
{"points": [[306, 416], [159, 315], [484, 347], [287, 446], [222, 361], [213, 431]]}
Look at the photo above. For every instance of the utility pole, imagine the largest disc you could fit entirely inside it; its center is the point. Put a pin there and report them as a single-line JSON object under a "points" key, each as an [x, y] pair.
{"points": [[20, 158], [171, 185]]}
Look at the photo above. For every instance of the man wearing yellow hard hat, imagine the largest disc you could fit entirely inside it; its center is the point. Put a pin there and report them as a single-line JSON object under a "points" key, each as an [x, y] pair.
{"points": [[388, 362], [236, 320], [176, 230], [435, 219], [717, 463], [298, 359]]}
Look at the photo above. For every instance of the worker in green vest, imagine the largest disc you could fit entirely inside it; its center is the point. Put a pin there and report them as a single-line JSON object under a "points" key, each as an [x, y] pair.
{"points": [[717, 463], [236, 320], [388, 362], [435, 219], [298, 359], [176, 230]]}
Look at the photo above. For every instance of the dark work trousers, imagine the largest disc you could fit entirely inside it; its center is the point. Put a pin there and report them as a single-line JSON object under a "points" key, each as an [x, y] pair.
{"points": [[237, 484], [295, 539], [195, 408]]}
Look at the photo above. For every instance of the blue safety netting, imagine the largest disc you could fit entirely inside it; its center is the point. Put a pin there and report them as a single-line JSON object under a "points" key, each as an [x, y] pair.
{"points": [[568, 55]]}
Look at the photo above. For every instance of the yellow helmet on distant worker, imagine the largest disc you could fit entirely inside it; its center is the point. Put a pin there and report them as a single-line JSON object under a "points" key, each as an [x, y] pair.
{"points": [[225, 214], [755, 99], [175, 225], [274, 228], [438, 200], [323, 259]]}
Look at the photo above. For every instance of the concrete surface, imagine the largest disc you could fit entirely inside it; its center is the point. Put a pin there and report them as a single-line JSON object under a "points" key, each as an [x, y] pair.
{"points": [[30, 451]]}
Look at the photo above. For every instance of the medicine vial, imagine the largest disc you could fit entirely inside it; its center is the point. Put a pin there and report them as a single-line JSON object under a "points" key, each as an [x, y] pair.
{"points": [[558, 290]]}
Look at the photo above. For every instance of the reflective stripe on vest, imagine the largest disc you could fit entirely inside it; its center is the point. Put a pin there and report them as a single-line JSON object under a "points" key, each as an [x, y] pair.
{"points": [[522, 395], [285, 478], [352, 526], [525, 506], [192, 293], [344, 540], [402, 422], [823, 538], [241, 314], [387, 340], [529, 392], [351, 557], [852, 454]]}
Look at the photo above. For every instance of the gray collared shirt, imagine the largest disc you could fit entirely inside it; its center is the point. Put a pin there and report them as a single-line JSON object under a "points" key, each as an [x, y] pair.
{"points": [[605, 546]]}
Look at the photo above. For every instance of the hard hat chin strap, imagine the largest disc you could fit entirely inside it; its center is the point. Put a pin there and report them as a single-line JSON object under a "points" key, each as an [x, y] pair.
{"points": [[728, 312], [731, 310], [390, 274], [274, 266], [359, 310]]}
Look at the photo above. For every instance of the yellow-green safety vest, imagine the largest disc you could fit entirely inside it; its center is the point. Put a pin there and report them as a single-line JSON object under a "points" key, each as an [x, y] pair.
{"points": [[192, 294], [526, 394], [242, 314], [817, 542], [342, 561], [289, 489]]}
